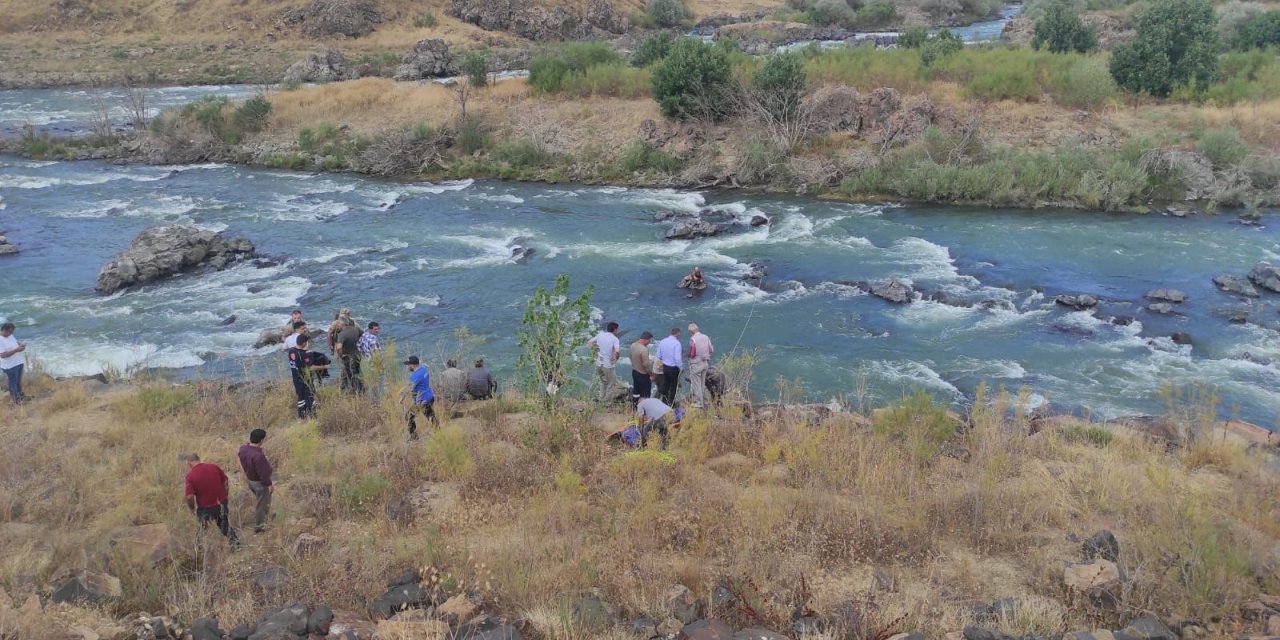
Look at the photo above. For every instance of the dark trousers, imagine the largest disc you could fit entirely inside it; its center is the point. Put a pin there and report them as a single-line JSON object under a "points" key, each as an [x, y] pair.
{"points": [[219, 516], [641, 385], [306, 400], [670, 384], [351, 374], [14, 377], [428, 410]]}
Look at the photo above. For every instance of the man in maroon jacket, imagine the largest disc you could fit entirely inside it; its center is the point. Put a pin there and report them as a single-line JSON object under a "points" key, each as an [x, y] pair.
{"points": [[257, 471], [207, 495]]}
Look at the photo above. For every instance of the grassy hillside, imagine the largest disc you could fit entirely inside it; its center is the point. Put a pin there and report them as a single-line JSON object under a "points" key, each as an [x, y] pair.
{"points": [[907, 516]]}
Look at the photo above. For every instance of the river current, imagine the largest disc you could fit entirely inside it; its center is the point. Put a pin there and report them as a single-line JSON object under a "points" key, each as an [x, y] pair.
{"points": [[427, 259]]}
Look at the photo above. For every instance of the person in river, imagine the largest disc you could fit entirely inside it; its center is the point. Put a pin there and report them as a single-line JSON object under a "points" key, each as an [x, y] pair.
{"points": [[671, 360], [348, 350], [453, 382], [700, 350], [480, 383], [294, 318], [303, 368], [13, 359], [424, 399], [641, 368], [694, 280], [607, 349]]}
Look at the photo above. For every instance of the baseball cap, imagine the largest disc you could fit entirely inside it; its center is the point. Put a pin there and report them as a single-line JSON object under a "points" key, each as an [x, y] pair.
{"points": [[413, 360]]}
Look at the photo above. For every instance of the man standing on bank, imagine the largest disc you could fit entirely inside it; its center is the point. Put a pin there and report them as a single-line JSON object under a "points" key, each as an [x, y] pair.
{"points": [[641, 368], [348, 348], [257, 471], [424, 399], [608, 349], [700, 350], [669, 355], [13, 360], [207, 489]]}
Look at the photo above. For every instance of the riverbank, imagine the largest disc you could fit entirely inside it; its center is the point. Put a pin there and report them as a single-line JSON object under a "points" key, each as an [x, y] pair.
{"points": [[806, 524]]}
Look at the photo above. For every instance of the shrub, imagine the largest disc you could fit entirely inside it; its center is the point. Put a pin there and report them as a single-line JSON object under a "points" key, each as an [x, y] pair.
{"points": [[425, 21], [446, 454], [548, 71], [527, 153], [1060, 31], [471, 135], [615, 79], [1249, 75], [917, 422], [667, 13], [693, 81], [939, 46], [360, 496], [1175, 45], [153, 402], [652, 49], [1260, 32], [1088, 86], [1223, 147], [780, 83], [1004, 83], [877, 14], [553, 327], [1234, 15], [475, 66], [252, 115], [642, 156], [832, 12], [913, 37]]}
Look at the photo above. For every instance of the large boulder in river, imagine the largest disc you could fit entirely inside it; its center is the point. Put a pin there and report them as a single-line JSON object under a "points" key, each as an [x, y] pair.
{"points": [[1166, 295], [325, 64], [689, 229], [893, 290], [160, 252], [7, 248], [1266, 276], [429, 58], [1079, 303], [1236, 284]]}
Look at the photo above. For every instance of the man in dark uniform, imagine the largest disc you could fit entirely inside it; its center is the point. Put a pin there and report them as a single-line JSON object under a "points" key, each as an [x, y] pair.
{"points": [[301, 366]]}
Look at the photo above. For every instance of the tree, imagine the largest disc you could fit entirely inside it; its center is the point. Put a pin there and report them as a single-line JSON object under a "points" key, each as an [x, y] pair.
{"points": [[691, 81], [1175, 45], [475, 66], [1061, 31], [913, 37], [776, 99], [1260, 32], [939, 46], [653, 49], [667, 13], [551, 333]]}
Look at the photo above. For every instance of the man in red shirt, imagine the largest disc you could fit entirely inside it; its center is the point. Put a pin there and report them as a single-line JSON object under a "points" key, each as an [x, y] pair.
{"points": [[207, 488]]}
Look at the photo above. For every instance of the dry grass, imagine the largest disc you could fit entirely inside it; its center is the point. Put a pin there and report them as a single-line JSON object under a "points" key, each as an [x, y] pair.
{"points": [[530, 511]]}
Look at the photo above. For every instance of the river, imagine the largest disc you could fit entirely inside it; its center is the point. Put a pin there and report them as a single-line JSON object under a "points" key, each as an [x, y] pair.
{"points": [[427, 259]]}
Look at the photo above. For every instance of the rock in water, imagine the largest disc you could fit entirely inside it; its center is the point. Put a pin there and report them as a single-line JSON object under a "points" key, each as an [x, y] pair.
{"points": [[230, 320], [1160, 307], [1266, 276], [894, 291], [160, 252], [429, 58], [1236, 284], [759, 220], [692, 229], [1079, 303], [7, 248], [1166, 295]]}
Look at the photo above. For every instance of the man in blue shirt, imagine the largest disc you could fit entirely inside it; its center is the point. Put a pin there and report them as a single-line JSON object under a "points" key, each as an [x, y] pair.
{"points": [[423, 399]]}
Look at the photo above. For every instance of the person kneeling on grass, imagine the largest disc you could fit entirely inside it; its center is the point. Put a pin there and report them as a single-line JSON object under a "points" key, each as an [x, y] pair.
{"points": [[207, 489], [653, 415], [423, 398]]}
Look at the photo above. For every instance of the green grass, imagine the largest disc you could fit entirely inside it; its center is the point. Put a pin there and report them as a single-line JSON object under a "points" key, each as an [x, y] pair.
{"points": [[154, 402]]}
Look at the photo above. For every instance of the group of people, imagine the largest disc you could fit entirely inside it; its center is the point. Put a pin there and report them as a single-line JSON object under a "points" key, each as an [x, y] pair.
{"points": [[208, 488]]}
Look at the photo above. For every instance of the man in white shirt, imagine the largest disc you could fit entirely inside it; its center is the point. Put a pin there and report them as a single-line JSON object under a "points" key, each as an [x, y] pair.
{"points": [[291, 340], [652, 414], [12, 361], [700, 351], [669, 355], [608, 349]]}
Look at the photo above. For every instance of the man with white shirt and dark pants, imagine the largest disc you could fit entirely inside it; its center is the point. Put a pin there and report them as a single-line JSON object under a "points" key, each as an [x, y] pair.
{"points": [[608, 349], [669, 355], [12, 360], [700, 351]]}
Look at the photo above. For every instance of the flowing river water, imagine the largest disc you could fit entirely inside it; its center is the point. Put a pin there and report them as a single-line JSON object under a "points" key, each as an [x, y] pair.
{"points": [[427, 259]]}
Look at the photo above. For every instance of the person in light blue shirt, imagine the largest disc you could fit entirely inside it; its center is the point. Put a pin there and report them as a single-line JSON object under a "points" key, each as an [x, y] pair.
{"points": [[424, 399], [669, 355]]}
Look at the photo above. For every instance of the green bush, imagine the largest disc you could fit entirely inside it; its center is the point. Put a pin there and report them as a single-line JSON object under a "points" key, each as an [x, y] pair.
{"points": [[876, 14], [1234, 15], [615, 79], [1223, 147], [446, 453], [832, 12], [362, 495], [425, 21], [1248, 75], [548, 71], [1259, 33], [527, 153], [475, 66], [1094, 436], [652, 49], [1060, 31], [780, 83], [940, 45], [1088, 85], [693, 80], [1017, 83], [867, 68], [1175, 46], [641, 156], [153, 402], [667, 13], [913, 37], [471, 135], [252, 115], [918, 423]]}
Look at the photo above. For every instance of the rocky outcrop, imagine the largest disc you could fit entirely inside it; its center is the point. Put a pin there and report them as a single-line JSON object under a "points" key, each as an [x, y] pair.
{"points": [[325, 64], [1266, 276], [835, 108], [893, 290], [538, 21], [1166, 295], [160, 252], [88, 587], [1079, 303], [322, 18], [429, 58], [7, 248], [1236, 284]]}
